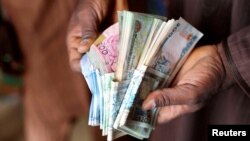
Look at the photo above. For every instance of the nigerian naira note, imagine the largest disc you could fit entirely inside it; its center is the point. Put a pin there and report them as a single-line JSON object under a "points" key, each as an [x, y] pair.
{"points": [[89, 72], [103, 52]]}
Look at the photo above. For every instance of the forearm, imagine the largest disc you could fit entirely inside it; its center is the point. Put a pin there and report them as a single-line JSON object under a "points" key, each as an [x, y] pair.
{"points": [[235, 53]]}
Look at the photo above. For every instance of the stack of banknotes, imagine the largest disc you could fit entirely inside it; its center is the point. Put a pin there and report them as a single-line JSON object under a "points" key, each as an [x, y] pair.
{"points": [[137, 55]]}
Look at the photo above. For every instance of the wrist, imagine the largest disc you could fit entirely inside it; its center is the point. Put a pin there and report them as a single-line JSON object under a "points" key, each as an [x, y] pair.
{"points": [[227, 78]]}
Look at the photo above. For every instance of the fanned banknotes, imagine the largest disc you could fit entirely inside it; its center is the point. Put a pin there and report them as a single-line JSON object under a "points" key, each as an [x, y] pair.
{"points": [[137, 55]]}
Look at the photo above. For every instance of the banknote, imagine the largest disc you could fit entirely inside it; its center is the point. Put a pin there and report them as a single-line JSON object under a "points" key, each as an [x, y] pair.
{"points": [[88, 71], [133, 41], [124, 42], [138, 119], [117, 94], [107, 91], [104, 52], [129, 97], [155, 27], [192, 36], [101, 96], [112, 102]]}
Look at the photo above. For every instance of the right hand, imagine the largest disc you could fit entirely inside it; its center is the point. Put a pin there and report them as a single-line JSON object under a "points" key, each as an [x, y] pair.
{"points": [[85, 24], [201, 76]]}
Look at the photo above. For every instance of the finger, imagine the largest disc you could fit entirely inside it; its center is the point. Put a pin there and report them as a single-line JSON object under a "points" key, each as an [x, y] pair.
{"points": [[85, 45], [81, 34], [182, 94], [76, 47], [75, 57], [169, 113], [89, 30], [73, 43], [120, 5]]}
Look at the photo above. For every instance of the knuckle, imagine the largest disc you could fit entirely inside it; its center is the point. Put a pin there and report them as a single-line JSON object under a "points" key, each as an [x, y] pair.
{"points": [[191, 93], [88, 34], [193, 98], [162, 98]]}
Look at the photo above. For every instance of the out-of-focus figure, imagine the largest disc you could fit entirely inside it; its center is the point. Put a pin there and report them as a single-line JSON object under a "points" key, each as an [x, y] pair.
{"points": [[53, 96]]}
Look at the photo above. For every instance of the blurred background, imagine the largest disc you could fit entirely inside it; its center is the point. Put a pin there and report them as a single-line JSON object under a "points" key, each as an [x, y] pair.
{"points": [[38, 91], [41, 99], [11, 70]]}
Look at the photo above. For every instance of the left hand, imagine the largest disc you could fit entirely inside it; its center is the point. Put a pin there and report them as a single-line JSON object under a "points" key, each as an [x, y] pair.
{"points": [[200, 77], [85, 24]]}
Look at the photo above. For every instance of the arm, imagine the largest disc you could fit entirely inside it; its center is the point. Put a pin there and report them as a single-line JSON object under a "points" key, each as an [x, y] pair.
{"points": [[235, 53]]}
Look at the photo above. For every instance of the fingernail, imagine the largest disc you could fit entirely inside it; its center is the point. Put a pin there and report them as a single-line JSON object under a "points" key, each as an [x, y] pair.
{"points": [[149, 105], [84, 46], [85, 42], [82, 49]]}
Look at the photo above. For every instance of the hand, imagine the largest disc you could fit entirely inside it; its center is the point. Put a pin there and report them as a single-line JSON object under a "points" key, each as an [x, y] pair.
{"points": [[85, 24], [200, 77]]}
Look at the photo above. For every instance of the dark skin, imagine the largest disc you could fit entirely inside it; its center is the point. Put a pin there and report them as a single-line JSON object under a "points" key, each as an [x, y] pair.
{"points": [[202, 75], [85, 25]]}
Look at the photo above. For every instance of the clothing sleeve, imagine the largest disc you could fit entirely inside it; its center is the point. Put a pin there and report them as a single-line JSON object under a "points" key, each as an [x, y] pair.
{"points": [[235, 54]]}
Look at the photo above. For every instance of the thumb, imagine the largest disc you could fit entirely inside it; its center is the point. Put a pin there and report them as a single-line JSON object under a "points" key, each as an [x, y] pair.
{"points": [[89, 28], [86, 42], [92, 15], [182, 94], [81, 33], [79, 38]]}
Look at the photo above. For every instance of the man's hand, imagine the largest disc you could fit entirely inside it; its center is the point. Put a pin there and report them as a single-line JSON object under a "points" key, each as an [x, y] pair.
{"points": [[200, 77], [85, 24]]}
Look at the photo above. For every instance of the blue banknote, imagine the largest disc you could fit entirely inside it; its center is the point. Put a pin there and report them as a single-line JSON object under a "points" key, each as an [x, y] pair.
{"points": [[90, 74]]}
